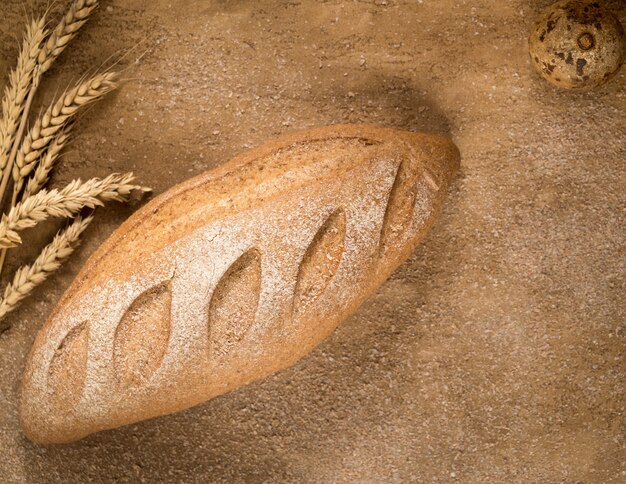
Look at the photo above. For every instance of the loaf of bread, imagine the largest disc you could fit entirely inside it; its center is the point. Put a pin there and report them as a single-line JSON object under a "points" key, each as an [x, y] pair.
{"points": [[231, 276]]}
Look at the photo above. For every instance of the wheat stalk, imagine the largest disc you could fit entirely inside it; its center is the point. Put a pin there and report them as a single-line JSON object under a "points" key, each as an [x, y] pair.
{"points": [[44, 167], [56, 42], [22, 151], [64, 32], [64, 203], [16, 92], [54, 119], [27, 277]]}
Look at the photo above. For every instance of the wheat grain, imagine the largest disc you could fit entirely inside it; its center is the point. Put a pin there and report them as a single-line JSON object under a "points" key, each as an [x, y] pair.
{"points": [[64, 203], [64, 32], [20, 80], [26, 278], [54, 119], [44, 167]]}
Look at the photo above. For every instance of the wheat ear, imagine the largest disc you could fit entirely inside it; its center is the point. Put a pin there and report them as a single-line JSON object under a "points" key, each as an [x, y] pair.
{"points": [[65, 31], [54, 119], [64, 203], [56, 42], [42, 173], [27, 277], [19, 84]]}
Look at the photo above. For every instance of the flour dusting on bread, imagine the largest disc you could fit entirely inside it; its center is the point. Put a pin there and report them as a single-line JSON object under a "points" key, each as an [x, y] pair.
{"points": [[232, 276]]}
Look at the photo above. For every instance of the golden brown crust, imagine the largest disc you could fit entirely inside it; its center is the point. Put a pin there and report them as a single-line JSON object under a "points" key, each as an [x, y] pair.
{"points": [[232, 275]]}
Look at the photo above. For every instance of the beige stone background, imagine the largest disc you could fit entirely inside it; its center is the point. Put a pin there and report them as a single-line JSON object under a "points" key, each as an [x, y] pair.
{"points": [[494, 354]]}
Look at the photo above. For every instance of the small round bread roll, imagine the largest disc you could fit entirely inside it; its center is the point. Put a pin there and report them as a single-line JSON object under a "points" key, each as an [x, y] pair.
{"points": [[577, 44]]}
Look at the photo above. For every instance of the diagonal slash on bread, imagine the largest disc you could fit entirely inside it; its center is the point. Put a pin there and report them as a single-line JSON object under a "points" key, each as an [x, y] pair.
{"points": [[232, 275]]}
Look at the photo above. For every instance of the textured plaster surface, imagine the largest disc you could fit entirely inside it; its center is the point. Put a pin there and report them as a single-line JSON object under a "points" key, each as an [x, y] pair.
{"points": [[494, 354]]}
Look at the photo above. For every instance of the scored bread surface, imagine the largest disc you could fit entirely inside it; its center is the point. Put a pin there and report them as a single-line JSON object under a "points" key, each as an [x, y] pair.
{"points": [[231, 276]]}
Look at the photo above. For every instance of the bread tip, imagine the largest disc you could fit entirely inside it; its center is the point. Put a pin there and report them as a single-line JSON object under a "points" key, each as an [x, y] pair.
{"points": [[438, 154]]}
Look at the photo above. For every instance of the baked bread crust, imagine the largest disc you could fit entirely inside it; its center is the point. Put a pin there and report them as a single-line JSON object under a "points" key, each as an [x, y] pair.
{"points": [[231, 276]]}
